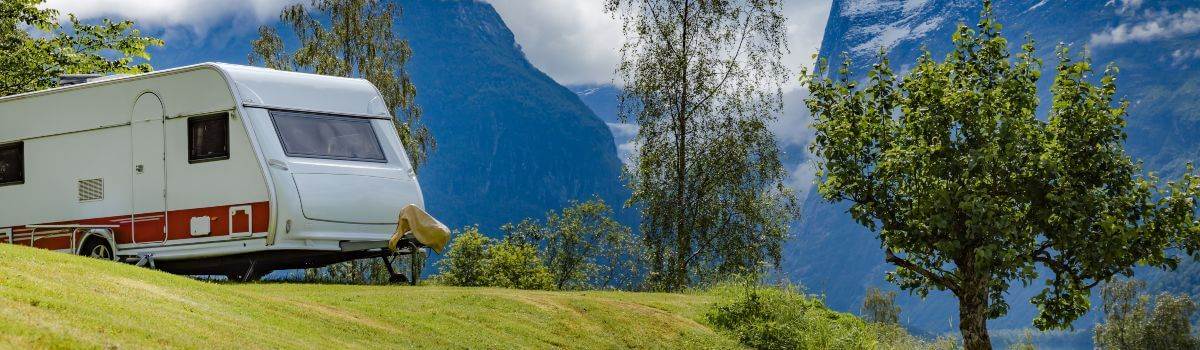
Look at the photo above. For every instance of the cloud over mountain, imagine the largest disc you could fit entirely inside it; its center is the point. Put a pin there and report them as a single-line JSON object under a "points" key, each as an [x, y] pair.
{"points": [[197, 15]]}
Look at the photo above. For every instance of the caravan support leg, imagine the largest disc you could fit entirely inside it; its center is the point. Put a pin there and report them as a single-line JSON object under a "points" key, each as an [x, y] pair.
{"points": [[252, 273], [393, 277]]}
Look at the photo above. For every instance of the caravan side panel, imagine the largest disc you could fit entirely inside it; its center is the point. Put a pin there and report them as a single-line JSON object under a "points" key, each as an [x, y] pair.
{"points": [[83, 133]]}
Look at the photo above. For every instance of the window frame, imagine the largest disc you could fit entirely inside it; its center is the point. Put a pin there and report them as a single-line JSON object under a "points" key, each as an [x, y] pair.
{"points": [[192, 121], [274, 113], [20, 147]]}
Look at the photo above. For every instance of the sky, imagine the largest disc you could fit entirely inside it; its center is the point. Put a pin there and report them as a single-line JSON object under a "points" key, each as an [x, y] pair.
{"points": [[573, 41]]}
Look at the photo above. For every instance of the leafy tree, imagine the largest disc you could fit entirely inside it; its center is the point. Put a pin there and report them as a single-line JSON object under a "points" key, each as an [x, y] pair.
{"points": [[880, 307], [466, 257], [515, 264], [35, 50], [969, 191], [702, 80], [352, 38], [1131, 323], [584, 247]]}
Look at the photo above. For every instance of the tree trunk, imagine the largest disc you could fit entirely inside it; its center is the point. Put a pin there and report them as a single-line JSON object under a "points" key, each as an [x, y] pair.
{"points": [[683, 233], [972, 320]]}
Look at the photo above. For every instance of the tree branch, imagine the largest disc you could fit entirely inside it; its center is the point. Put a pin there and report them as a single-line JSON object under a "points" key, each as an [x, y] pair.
{"points": [[728, 69], [930, 275]]}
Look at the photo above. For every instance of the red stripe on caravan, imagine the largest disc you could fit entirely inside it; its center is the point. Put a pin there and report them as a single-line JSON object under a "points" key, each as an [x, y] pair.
{"points": [[245, 219]]}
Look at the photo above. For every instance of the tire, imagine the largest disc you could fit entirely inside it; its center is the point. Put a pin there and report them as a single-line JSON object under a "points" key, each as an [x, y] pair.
{"points": [[98, 248]]}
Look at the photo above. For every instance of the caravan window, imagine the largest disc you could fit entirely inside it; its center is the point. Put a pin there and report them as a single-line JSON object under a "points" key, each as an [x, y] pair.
{"points": [[12, 164], [311, 135], [208, 138]]}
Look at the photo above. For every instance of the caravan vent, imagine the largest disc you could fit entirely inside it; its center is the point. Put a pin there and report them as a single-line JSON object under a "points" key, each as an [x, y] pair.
{"points": [[91, 190]]}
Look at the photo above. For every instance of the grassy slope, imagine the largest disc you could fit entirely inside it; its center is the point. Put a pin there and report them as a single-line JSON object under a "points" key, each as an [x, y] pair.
{"points": [[56, 300]]}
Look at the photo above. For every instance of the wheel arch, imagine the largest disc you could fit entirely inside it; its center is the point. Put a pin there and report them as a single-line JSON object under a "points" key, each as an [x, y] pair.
{"points": [[105, 235]]}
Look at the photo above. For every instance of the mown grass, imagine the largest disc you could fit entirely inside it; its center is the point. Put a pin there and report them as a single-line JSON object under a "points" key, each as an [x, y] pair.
{"points": [[54, 300]]}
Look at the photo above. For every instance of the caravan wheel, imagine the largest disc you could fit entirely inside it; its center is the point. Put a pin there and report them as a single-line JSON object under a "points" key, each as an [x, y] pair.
{"points": [[96, 248]]}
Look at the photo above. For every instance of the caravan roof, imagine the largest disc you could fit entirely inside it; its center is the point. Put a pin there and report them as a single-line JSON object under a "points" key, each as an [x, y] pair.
{"points": [[83, 106]]}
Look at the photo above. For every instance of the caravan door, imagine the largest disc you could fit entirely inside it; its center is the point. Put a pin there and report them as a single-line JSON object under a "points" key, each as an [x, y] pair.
{"points": [[148, 214]]}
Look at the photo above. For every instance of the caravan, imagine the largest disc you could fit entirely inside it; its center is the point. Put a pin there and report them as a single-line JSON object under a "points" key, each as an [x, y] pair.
{"points": [[210, 169]]}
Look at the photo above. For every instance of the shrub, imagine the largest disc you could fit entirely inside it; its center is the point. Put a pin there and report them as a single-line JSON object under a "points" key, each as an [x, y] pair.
{"points": [[466, 259], [512, 264], [783, 318], [474, 260]]}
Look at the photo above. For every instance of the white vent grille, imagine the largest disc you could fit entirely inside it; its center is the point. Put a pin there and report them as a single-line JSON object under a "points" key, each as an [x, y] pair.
{"points": [[91, 190]]}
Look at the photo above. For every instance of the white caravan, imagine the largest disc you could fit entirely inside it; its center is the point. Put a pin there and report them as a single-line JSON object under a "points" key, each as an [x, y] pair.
{"points": [[210, 169]]}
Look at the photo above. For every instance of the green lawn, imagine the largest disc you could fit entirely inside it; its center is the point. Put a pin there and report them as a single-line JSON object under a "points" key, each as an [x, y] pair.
{"points": [[54, 300]]}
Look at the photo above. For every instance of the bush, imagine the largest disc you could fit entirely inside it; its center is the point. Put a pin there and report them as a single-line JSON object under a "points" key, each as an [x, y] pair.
{"points": [[474, 260], [512, 264], [782, 317], [466, 257]]}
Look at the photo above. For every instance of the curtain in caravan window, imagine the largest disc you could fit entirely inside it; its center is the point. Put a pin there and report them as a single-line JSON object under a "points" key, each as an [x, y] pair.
{"points": [[12, 164], [208, 138], [309, 135]]}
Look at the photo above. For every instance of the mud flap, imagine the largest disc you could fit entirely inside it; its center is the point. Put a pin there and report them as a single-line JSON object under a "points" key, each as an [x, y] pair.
{"points": [[427, 230]]}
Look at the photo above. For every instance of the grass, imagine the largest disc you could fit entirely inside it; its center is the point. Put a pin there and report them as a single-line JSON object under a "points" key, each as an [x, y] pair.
{"points": [[54, 300]]}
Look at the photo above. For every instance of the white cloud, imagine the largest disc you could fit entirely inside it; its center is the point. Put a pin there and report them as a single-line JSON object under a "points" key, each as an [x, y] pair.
{"points": [[805, 30], [624, 134], [1151, 26], [794, 131], [197, 15], [1181, 56], [576, 42]]}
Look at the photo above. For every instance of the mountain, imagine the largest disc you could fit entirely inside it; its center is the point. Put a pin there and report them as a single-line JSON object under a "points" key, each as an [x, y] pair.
{"points": [[1153, 42], [511, 142], [603, 99]]}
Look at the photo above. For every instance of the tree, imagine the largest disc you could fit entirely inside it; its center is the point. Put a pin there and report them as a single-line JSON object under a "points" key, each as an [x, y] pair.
{"points": [[352, 38], [703, 80], [584, 247], [35, 50], [515, 264], [969, 191], [880, 307], [1130, 323], [466, 257]]}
